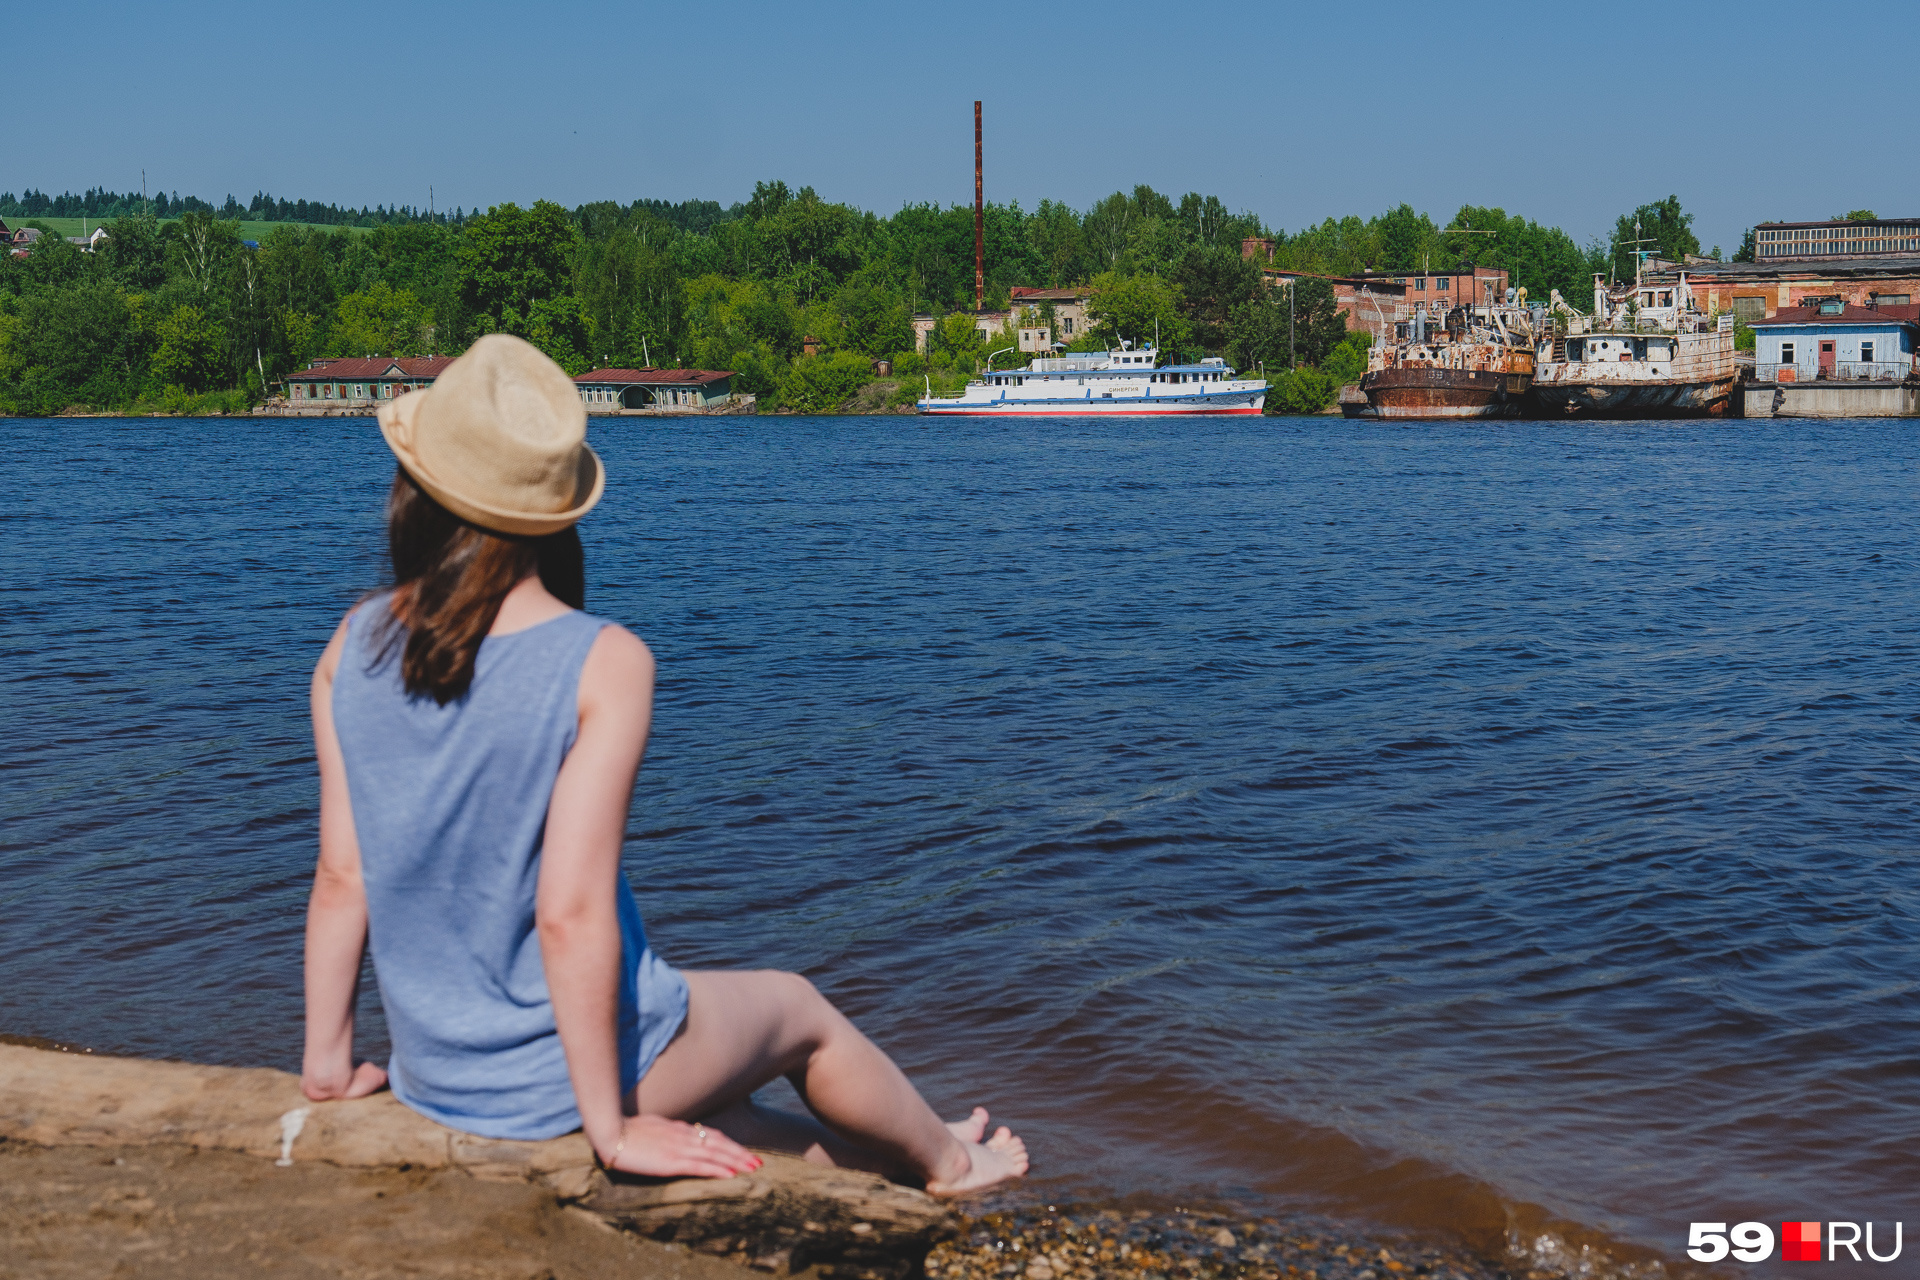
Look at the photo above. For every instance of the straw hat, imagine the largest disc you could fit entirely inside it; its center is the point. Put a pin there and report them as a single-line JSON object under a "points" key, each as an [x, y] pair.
{"points": [[500, 440]]}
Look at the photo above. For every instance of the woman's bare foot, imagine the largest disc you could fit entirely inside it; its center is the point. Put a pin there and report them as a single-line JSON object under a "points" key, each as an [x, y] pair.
{"points": [[999, 1159], [972, 1129]]}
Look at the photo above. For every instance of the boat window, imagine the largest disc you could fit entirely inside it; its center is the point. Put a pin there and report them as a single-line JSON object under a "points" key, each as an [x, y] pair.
{"points": [[1866, 353]]}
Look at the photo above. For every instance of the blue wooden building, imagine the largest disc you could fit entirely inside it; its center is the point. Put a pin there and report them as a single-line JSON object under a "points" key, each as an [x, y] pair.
{"points": [[1832, 340]]}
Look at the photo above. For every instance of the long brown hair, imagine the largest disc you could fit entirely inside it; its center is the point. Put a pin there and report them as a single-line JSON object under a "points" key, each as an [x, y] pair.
{"points": [[449, 578]]}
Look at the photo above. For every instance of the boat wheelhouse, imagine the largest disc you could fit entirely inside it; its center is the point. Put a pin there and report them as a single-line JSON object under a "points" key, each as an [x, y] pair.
{"points": [[1126, 382]]}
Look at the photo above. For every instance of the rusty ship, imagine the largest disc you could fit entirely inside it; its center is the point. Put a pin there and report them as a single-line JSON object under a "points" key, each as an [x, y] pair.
{"points": [[1468, 362], [1646, 352]]}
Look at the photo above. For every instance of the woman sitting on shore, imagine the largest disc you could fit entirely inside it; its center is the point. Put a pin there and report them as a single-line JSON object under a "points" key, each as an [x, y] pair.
{"points": [[478, 738]]}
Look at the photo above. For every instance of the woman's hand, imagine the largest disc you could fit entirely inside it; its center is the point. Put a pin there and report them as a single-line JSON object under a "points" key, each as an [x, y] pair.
{"points": [[663, 1148], [337, 1086]]}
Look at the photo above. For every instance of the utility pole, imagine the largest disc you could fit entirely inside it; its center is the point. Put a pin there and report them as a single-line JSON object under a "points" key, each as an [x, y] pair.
{"points": [[979, 221], [1293, 361]]}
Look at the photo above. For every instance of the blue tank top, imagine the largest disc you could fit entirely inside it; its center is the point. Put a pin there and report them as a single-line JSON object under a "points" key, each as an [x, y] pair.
{"points": [[450, 804]]}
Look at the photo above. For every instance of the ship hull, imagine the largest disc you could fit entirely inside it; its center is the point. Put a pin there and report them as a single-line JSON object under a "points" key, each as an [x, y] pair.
{"points": [[1696, 381], [1421, 392], [1703, 399], [1102, 408]]}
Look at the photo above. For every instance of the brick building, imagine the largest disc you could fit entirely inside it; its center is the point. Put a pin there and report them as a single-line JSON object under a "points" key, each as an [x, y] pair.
{"points": [[1069, 315], [1760, 290], [1377, 300]]}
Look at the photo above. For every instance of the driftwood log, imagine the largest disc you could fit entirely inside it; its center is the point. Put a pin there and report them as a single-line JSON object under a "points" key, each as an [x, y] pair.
{"points": [[784, 1217]]}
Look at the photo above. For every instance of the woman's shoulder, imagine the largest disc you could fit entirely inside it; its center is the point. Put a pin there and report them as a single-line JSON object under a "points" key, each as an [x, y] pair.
{"points": [[615, 645], [355, 618], [618, 665]]}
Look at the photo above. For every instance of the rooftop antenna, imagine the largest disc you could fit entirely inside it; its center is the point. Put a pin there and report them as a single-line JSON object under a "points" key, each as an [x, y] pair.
{"points": [[979, 220], [1639, 254]]}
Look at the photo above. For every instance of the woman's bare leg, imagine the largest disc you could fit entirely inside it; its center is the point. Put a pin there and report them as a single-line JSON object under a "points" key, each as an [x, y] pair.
{"points": [[753, 1124], [745, 1028]]}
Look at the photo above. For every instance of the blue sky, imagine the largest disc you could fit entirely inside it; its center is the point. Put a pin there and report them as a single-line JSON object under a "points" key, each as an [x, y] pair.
{"points": [[1568, 113]]}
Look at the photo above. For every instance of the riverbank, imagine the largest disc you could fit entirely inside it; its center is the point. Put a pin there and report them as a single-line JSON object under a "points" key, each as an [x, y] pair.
{"points": [[172, 1169], [199, 1135], [174, 1211]]}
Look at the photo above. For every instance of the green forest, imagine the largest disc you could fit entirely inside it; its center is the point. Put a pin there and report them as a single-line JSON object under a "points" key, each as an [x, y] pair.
{"points": [[179, 313]]}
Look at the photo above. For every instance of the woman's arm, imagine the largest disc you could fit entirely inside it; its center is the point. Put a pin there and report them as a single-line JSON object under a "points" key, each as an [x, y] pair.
{"points": [[576, 912], [336, 915]]}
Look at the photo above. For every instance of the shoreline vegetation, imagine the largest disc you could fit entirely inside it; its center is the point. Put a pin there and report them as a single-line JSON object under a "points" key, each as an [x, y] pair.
{"points": [[187, 308]]}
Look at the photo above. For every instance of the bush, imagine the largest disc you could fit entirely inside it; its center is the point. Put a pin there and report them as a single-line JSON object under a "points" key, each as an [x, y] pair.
{"points": [[1302, 390], [180, 402], [1346, 362], [757, 371], [819, 383]]}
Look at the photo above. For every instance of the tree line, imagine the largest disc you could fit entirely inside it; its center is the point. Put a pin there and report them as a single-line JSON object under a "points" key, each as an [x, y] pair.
{"points": [[170, 311], [101, 205]]}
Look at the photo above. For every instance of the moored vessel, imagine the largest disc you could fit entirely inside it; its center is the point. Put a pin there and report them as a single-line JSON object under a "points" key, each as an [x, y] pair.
{"points": [[1122, 383], [1477, 362], [1646, 352]]}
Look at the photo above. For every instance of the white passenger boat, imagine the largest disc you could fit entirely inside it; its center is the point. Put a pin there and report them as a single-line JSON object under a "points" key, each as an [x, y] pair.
{"points": [[1123, 383]]}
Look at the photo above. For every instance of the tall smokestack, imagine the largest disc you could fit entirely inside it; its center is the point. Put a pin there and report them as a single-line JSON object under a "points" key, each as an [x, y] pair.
{"points": [[979, 222]]}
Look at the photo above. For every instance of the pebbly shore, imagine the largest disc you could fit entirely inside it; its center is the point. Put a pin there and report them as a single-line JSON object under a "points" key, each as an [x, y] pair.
{"points": [[1095, 1242]]}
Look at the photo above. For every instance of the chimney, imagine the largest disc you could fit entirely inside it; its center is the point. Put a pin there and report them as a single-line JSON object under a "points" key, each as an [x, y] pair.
{"points": [[979, 221]]}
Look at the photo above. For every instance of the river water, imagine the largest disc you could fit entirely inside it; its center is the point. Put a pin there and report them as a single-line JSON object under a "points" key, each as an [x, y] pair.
{"points": [[1505, 830]]}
